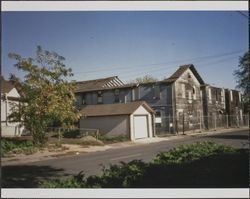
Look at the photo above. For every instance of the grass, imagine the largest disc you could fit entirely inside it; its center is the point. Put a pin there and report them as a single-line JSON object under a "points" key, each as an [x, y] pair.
{"points": [[110, 140], [201, 165]]}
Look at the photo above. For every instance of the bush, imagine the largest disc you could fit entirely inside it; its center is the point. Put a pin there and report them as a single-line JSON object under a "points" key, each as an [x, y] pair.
{"points": [[71, 134], [188, 153], [16, 146], [115, 139]]}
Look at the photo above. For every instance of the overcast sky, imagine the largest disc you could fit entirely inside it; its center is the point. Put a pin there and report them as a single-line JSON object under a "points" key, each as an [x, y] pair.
{"points": [[131, 44]]}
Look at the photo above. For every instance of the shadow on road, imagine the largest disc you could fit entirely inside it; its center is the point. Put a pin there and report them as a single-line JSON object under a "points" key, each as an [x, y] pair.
{"points": [[232, 137], [28, 176]]}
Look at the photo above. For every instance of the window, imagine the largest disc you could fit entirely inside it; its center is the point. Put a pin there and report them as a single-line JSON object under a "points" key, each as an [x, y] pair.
{"points": [[183, 91], [216, 95], [194, 93], [222, 96], [158, 118], [189, 97], [83, 99], [99, 97], [158, 114], [209, 95], [156, 92], [117, 93]]}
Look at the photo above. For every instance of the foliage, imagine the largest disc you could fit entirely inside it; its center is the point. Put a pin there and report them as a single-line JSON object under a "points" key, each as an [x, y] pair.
{"points": [[10, 146], [145, 79], [243, 76], [115, 139], [47, 94], [188, 153], [197, 165]]}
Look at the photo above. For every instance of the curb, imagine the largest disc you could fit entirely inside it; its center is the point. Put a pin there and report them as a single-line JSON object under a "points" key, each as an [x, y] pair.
{"points": [[29, 159]]}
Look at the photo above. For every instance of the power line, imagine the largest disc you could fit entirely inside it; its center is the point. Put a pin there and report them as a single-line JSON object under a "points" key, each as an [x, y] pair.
{"points": [[162, 63], [152, 71], [243, 14]]}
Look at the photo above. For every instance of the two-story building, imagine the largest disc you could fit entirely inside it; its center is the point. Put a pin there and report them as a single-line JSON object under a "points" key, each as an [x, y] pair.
{"points": [[182, 102]]}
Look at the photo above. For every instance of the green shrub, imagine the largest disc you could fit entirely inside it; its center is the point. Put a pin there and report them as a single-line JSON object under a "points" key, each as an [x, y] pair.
{"points": [[16, 146], [109, 139], [71, 134], [188, 153], [77, 181]]}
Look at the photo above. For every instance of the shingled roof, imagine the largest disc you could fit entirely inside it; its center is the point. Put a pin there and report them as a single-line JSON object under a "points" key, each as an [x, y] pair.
{"points": [[99, 84], [181, 70], [6, 86], [114, 109]]}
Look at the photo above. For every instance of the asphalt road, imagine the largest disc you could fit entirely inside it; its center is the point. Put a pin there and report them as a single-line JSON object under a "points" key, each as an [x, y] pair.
{"points": [[91, 164]]}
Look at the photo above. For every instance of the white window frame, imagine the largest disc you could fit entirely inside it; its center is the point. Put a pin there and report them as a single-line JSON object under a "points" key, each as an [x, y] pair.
{"points": [[231, 95], [183, 90], [209, 95]]}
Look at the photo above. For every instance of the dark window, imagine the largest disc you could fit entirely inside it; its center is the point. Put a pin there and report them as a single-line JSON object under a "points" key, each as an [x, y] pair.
{"points": [[216, 94], [83, 99], [117, 92], [158, 125], [156, 92], [99, 97], [158, 114]]}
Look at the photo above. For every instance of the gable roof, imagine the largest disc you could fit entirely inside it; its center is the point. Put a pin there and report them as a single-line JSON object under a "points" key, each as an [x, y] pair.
{"points": [[6, 86], [98, 84], [181, 70], [114, 109]]}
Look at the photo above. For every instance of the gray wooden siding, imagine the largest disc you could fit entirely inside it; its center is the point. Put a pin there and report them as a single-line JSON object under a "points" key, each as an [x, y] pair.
{"points": [[108, 125]]}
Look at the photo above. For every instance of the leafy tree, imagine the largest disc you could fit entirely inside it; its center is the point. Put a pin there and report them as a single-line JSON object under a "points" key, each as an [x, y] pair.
{"points": [[47, 95], [144, 79], [243, 78]]}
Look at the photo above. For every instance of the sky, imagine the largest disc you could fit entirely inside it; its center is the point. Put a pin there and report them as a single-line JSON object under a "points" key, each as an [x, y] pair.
{"points": [[131, 44]]}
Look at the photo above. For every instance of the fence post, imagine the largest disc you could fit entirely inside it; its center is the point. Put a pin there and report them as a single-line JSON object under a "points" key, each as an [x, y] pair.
{"points": [[59, 135], [169, 123], [215, 122], [237, 120], [183, 123], [227, 121], [200, 122], [97, 134]]}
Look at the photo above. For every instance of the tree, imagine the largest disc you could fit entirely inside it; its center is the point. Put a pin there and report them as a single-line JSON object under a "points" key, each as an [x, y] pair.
{"points": [[47, 96], [243, 78], [144, 79]]}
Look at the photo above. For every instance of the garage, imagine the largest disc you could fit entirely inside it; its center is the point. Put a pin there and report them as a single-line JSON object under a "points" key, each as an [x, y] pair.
{"points": [[133, 120], [140, 126]]}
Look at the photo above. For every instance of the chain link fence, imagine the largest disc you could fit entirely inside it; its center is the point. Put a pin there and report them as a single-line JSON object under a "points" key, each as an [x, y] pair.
{"points": [[185, 123], [63, 133]]}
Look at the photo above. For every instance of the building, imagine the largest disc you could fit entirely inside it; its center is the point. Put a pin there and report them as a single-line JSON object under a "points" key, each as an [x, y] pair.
{"points": [[183, 102], [9, 98], [133, 120]]}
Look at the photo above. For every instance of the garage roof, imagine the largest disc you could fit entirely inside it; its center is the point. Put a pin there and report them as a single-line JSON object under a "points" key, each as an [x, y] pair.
{"points": [[114, 109]]}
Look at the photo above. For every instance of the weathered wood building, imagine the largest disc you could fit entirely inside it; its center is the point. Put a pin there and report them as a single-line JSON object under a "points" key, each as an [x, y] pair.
{"points": [[182, 102]]}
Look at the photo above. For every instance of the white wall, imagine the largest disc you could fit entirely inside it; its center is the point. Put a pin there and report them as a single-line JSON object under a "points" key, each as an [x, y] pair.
{"points": [[9, 128], [141, 111]]}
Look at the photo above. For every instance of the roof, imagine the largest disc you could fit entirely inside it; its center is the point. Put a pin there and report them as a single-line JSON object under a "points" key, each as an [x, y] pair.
{"points": [[181, 70], [6, 86], [99, 84], [114, 109]]}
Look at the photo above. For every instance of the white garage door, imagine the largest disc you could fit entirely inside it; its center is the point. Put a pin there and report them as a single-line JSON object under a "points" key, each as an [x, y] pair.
{"points": [[140, 126]]}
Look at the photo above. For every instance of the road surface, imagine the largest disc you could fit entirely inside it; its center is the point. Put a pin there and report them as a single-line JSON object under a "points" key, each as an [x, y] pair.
{"points": [[28, 175]]}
